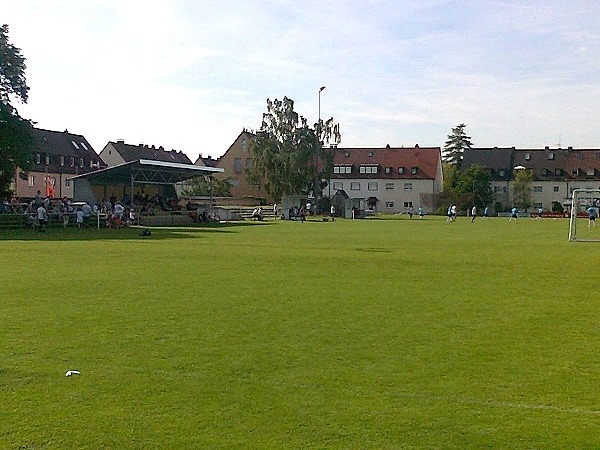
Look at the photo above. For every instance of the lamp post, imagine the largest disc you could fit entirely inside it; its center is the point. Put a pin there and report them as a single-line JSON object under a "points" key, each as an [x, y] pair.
{"points": [[316, 185]]}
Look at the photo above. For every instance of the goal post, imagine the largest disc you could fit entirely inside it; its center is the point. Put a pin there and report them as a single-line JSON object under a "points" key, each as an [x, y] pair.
{"points": [[581, 228]]}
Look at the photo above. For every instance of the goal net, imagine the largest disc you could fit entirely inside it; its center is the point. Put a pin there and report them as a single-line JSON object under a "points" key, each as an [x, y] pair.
{"points": [[585, 204]]}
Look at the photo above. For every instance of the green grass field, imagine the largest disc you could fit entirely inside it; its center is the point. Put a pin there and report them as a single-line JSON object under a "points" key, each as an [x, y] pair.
{"points": [[375, 334]]}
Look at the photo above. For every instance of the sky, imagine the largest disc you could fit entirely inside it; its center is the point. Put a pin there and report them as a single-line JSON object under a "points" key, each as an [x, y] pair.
{"points": [[190, 75]]}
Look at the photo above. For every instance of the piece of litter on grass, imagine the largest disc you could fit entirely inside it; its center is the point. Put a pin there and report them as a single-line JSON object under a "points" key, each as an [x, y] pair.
{"points": [[72, 372]]}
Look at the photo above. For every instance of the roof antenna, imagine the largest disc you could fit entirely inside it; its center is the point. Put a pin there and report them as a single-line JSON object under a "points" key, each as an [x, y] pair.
{"points": [[559, 140]]}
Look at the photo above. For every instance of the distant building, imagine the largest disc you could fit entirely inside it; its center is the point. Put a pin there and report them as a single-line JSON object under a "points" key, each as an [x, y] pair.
{"points": [[116, 153], [236, 162], [389, 179], [57, 156], [556, 172]]}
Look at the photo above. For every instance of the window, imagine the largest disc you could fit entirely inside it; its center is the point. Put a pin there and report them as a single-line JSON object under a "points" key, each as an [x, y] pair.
{"points": [[537, 189], [368, 169], [62, 160], [80, 162], [389, 204], [72, 161], [31, 180], [408, 186], [538, 205], [414, 170], [338, 186], [83, 145], [234, 182], [67, 182], [527, 156], [556, 188], [354, 186], [47, 160], [400, 170], [590, 172], [502, 172], [551, 156], [249, 163], [408, 204], [499, 189], [53, 181], [342, 169], [75, 145], [557, 172], [575, 172], [38, 158], [372, 186], [388, 170], [244, 145], [389, 186], [237, 165]]}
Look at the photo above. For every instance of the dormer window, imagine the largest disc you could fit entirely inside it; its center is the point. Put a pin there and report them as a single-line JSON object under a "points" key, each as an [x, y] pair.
{"points": [[368, 169], [400, 170], [551, 156], [502, 172], [38, 158], [590, 172], [575, 172], [414, 170], [342, 169], [557, 172], [545, 172], [388, 170], [47, 160], [370, 154], [527, 156]]}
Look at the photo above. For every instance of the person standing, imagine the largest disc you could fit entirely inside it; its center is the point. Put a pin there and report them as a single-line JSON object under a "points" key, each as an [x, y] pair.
{"points": [[42, 216], [473, 213], [514, 214], [420, 212], [486, 212], [80, 217], [308, 208], [410, 212], [332, 212], [592, 215]]}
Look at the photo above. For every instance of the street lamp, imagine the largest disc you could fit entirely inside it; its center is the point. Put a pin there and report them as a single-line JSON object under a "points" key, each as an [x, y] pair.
{"points": [[316, 185]]}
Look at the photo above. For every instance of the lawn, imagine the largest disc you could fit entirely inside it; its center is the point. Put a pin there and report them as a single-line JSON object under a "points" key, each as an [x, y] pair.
{"points": [[353, 334]]}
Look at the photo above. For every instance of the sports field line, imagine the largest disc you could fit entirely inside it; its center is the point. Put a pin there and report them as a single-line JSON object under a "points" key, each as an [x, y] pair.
{"points": [[501, 404]]}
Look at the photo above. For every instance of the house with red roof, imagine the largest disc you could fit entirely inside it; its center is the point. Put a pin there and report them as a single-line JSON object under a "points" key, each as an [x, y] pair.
{"points": [[389, 179]]}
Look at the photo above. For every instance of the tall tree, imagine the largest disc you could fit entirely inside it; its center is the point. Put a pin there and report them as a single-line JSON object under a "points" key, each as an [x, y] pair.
{"points": [[208, 186], [288, 154], [476, 183], [16, 138], [455, 145], [521, 188]]}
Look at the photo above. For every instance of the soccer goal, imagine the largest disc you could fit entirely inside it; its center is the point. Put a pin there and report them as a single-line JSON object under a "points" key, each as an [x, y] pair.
{"points": [[581, 228]]}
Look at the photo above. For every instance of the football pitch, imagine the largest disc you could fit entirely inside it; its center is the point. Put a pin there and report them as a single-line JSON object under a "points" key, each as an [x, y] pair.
{"points": [[378, 333]]}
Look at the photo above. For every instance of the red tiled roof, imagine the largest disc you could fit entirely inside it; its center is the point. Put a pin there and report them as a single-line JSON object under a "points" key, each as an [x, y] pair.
{"points": [[425, 159]]}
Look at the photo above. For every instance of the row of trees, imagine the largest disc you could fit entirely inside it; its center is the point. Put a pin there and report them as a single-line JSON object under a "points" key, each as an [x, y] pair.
{"points": [[16, 136], [472, 186]]}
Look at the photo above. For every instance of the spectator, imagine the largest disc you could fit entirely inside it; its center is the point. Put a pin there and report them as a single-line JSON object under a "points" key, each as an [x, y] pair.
{"points": [[42, 216]]}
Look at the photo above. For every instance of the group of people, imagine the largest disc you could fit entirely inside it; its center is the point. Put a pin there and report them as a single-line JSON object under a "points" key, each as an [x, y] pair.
{"points": [[473, 212]]}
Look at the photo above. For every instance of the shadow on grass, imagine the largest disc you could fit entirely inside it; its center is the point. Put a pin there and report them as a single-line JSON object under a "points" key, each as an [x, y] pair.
{"points": [[132, 233]]}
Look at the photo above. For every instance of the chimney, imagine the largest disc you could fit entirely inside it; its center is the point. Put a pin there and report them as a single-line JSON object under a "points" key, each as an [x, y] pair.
{"points": [[120, 141]]}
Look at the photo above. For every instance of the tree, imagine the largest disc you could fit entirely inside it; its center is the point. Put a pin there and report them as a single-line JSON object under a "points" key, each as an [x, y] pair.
{"points": [[289, 155], [208, 186], [521, 188], [475, 183], [455, 146], [16, 138]]}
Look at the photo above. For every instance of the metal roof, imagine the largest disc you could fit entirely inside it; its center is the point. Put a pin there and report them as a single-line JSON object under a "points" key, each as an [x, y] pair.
{"points": [[146, 171]]}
